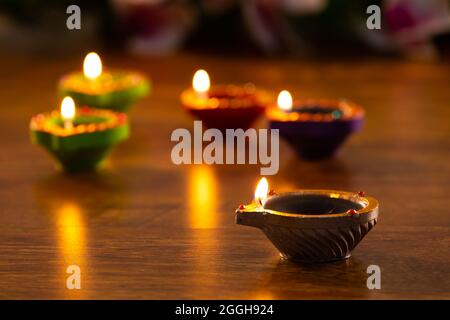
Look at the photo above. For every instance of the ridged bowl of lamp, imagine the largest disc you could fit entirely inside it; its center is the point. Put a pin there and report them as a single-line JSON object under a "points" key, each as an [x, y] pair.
{"points": [[311, 226]]}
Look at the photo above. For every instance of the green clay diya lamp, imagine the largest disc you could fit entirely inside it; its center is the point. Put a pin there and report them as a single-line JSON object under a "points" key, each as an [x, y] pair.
{"points": [[116, 90], [79, 140]]}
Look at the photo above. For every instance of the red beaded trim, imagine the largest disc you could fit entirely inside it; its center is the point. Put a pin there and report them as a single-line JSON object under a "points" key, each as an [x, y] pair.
{"points": [[229, 96]]}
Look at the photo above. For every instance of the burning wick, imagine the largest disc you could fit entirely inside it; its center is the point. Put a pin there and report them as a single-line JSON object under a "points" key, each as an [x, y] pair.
{"points": [[92, 66], [68, 112], [284, 100], [201, 84], [261, 192]]}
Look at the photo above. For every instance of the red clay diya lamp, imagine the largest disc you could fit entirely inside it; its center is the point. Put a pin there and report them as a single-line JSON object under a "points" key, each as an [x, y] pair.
{"points": [[315, 128], [117, 90], [79, 140], [311, 225], [223, 106]]}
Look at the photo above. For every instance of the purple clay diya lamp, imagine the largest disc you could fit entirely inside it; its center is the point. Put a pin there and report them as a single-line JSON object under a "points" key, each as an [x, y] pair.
{"points": [[116, 90], [79, 140], [224, 106], [315, 128], [311, 225]]}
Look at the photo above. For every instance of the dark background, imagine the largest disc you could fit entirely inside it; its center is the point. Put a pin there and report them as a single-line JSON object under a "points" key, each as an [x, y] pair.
{"points": [[306, 28]]}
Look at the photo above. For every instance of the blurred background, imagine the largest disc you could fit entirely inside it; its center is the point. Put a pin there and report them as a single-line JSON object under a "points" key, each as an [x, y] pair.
{"points": [[146, 228], [412, 29]]}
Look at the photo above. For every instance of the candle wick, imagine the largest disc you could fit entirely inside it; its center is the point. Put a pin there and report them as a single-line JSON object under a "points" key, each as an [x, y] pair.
{"points": [[260, 202]]}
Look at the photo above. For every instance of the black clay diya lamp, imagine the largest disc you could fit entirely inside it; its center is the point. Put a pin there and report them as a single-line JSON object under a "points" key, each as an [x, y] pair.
{"points": [[224, 106], [311, 225], [315, 128], [117, 90], [79, 139]]}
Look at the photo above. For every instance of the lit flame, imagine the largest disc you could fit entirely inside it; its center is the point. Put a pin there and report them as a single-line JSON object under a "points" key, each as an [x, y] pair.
{"points": [[284, 100], [261, 191], [201, 82], [68, 109], [92, 66]]}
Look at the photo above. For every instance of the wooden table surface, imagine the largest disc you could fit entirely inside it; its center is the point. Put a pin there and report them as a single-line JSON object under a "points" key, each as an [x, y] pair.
{"points": [[145, 228]]}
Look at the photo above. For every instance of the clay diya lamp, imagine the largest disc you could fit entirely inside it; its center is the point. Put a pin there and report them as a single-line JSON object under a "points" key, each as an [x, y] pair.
{"points": [[116, 90], [315, 128], [79, 140], [311, 225], [224, 106]]}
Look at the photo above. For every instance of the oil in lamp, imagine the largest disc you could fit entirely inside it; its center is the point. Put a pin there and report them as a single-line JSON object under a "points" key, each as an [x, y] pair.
{"points": [[315, 128], [311, 225], [117, 90], [79, 139], [223, 106]]}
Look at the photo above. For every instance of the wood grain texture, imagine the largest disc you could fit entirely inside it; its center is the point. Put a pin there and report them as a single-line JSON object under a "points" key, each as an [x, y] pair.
{"points": [[145, 228]]}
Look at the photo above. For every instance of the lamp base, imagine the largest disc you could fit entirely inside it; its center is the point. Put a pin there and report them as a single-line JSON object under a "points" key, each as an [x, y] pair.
{"points": [[83, 160]]}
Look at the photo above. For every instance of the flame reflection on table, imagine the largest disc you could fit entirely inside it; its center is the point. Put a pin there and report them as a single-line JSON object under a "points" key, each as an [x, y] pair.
{"points": [[202, 197]]}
